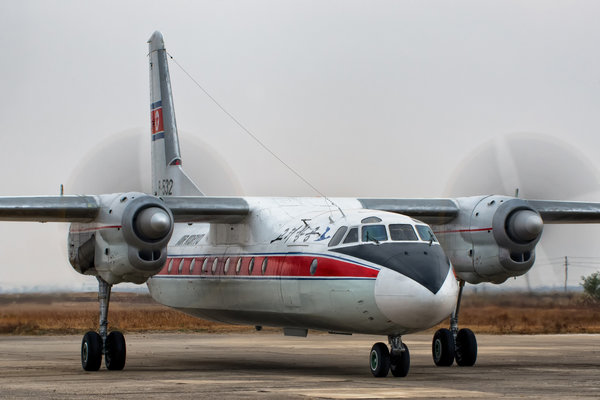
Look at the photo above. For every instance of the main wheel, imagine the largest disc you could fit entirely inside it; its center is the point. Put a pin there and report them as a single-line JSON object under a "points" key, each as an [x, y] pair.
{"points": [[379, 360], [114, 356], [443, 348], [400, 363], [91, 351], [466, 348]]}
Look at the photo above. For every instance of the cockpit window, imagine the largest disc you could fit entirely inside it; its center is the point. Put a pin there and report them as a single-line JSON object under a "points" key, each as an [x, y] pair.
{"points": [[337, 238], [374, 233], [402, 232], [426, 234], [352, 236]]}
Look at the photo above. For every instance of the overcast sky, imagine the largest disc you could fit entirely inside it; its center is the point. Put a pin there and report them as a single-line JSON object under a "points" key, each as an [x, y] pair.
{"points": [[363, 98]]}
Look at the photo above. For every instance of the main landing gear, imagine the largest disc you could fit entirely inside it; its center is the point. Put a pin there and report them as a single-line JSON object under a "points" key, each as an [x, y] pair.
{"points": [[94, 345], [382, 360], [454, 344]]}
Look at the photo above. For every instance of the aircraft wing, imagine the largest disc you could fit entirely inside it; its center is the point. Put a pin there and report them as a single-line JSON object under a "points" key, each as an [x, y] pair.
{"points": [[49, 208], [86, 208], [432, 211], [442, 211]]}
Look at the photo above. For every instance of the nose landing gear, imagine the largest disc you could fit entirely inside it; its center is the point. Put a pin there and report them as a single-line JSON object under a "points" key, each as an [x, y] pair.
{"points": [[94, 345], [452, 344], [382, 360]]}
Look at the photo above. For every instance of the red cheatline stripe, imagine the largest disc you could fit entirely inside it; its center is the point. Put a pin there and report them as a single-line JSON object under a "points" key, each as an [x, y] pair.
{"points": [[296, 266], [464, 230], [96, 228]]}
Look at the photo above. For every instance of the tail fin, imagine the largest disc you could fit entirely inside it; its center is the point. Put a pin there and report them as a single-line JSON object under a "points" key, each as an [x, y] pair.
{"points": [[168, 177]]}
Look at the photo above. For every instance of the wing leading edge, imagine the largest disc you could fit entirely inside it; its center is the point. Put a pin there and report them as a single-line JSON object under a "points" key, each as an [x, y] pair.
{"points": [[442, 211], [87, 208], [235, 209]]}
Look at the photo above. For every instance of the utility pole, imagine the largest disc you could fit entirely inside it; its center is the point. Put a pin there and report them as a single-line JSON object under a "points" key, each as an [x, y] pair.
{"points": [[566, 271]]}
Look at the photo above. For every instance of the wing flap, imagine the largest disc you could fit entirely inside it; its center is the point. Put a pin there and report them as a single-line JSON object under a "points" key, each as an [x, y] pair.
{"points": [[49, 208]]}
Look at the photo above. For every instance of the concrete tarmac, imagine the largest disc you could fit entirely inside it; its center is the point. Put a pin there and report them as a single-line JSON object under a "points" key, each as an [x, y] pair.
{"points": [[267, 365]]}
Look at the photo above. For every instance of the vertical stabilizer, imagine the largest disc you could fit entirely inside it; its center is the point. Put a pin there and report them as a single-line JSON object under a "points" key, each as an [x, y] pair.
{"points": [[168, 177]]}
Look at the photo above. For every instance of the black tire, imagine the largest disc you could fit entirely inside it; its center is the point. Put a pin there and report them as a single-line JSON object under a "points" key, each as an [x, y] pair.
{"points": [[400, 363], [379, 360], [442, 348], [466, 348], [91, 351], [115, 354]]}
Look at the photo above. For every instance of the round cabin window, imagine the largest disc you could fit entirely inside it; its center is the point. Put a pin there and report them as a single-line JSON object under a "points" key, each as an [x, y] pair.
{"points": [[251, 266], [238, 267]]}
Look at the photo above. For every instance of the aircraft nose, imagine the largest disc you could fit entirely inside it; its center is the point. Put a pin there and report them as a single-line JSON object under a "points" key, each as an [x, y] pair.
{"points": [[405, 296]]}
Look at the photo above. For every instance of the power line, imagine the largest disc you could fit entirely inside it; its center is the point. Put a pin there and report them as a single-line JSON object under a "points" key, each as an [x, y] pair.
{"points": [[247, 131]]}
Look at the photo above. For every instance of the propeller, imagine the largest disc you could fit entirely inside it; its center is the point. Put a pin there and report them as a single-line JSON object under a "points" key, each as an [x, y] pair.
{"points": [[540, 167], [121, 163]]}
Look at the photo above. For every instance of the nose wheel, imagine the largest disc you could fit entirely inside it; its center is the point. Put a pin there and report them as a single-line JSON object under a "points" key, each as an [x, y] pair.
{"points": [[396, 359], [454, 344], [94, 345]]}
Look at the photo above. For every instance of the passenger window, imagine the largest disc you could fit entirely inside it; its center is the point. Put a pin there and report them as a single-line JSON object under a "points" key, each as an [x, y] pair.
{"points": [[337, 238], [374, 233], [180, 266], [352, 236], [264, 265], [193, 263], [402, 232], [426, 234], [170, 267], [238, 267], [214, 266], [313, 266], [226, 269], [251, 266], [205, 265]]}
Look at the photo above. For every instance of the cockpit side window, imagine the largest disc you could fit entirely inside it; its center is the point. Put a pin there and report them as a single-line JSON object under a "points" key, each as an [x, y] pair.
{"points": [[426, 233], [402, 232], [337, 238], [374, 233], [352, 236]]}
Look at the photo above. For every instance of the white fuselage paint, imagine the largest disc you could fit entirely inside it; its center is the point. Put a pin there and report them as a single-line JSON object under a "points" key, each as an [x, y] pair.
{"points": [[344, 294]]}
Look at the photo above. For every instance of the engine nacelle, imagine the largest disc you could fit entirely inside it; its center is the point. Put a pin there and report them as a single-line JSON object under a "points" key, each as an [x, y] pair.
{"points": [[493, 238], [126, 243]]}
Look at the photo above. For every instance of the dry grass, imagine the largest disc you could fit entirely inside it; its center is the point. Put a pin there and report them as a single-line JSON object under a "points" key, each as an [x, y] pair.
{"points": [[529, 313], [37, 314]]}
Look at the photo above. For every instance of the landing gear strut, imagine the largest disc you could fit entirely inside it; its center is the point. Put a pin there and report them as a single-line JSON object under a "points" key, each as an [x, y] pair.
{"points": [[452, 344], [94, 345], [382, 360]]}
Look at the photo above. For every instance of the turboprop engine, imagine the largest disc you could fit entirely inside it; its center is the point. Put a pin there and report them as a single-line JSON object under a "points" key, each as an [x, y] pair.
{"points": [[127, 242], [493, 238]]}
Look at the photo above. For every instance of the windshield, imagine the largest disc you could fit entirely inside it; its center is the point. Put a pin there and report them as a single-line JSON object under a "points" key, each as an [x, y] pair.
{"points": [[426, 234], [402, 232], [374, 233]]}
